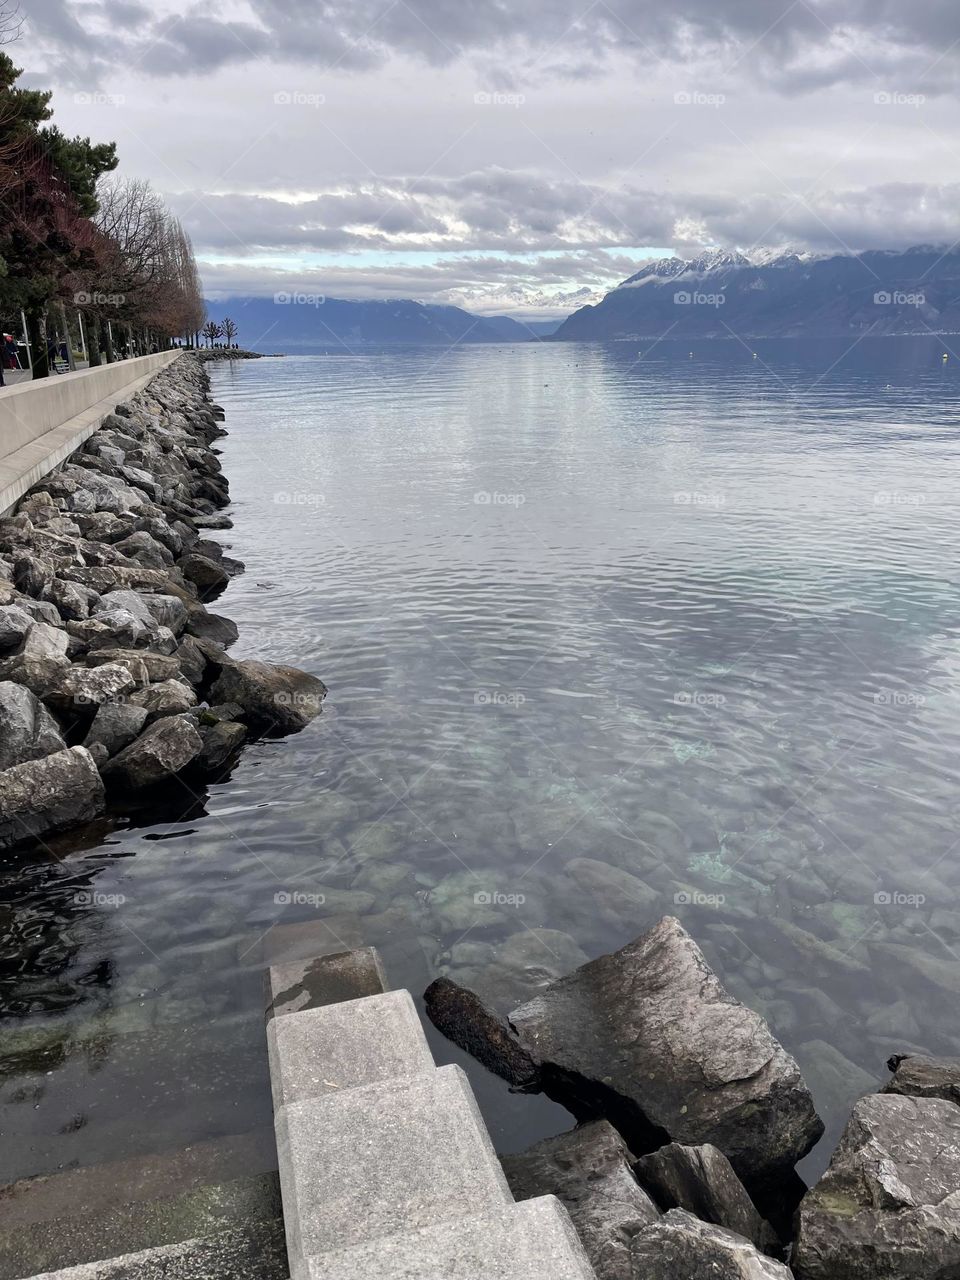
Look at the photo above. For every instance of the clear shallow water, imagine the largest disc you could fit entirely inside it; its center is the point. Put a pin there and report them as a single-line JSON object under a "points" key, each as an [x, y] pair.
{"points": [[694, 619]]}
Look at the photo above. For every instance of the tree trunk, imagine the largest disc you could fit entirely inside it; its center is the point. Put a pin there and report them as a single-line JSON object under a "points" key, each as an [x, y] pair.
{"points": [[106, 341], [68, 341], [38, 346], [93, 342]]}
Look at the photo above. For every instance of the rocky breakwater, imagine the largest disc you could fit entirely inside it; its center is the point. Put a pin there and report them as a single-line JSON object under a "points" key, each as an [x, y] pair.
{"points": [[114, 675], [691, 1118]]}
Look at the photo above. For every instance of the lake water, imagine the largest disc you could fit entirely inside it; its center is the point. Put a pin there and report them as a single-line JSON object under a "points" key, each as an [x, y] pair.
{"points": [[585, 614]]}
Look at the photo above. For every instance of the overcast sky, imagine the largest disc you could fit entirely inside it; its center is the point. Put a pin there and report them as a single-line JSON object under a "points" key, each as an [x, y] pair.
{"points": [[513, 157]]}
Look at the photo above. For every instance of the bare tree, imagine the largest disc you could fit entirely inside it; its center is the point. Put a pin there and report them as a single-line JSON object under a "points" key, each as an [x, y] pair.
{"points": [[229, 330], [211, 331], [11, 21]]}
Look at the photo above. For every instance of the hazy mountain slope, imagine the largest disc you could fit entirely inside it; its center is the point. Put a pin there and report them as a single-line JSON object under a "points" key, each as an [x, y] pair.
{"points": [[305, 322]]}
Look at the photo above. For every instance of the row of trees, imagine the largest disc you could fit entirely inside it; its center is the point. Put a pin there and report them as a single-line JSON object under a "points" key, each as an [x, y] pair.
{"points": [[75, 239], [213, 332]]}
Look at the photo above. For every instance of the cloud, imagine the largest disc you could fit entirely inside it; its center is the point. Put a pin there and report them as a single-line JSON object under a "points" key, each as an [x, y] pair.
{"points": [[795, 47]]}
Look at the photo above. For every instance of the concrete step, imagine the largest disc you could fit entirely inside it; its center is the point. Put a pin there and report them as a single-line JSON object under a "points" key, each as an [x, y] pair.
{"points": [[344, 1046], [323, 980], [79, 1237], [530, 1241], [383, 1159], [253, 1252]]}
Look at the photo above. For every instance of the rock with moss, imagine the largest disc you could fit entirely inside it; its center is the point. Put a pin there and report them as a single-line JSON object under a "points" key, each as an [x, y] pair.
{"points": [[888, 1206]]}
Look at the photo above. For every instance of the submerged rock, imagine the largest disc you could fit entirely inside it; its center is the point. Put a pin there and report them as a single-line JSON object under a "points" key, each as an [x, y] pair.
{"points": [[27, 729], [922, 1076], [161, 751], [888, 1207], [274, 700], [588, 1169], [649, 1038], [702, 1181], [47, 795], [463, 1018], [681, 1247]]}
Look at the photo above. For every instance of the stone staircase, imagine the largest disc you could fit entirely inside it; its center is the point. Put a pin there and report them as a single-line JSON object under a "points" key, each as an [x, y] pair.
{"points": [[386, 1169]]}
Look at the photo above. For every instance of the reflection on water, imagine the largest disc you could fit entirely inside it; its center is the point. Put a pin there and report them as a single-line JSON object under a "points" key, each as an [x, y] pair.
{"points": [[606, 637]]}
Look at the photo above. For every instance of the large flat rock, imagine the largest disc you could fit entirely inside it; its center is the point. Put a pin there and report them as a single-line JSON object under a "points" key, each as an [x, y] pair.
{"points": [[530, 1241], [343, 1046], [920, 1075], [588, 1169], [649, 1038], [888, 1207], [383, 1159]]}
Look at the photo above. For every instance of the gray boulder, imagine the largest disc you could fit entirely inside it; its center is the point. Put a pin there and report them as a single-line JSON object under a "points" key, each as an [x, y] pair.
{"points": [[44, 641], [922, 1076], [161, 751], [115, 726], [888, 1207], [37, 674], [220, 741], [588, 1169], [145, 666], [211, 626], [83, 689], [649, 1038], [681, 1247], [15, 625], [702, 1181], [129, 601], [168, 698], [275, 700], [208, 576], [43, 796], [27, 729], [168, 611]]}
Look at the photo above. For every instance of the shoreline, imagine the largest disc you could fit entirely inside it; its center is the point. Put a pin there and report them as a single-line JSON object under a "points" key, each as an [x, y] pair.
{"points": [[115, 680]]}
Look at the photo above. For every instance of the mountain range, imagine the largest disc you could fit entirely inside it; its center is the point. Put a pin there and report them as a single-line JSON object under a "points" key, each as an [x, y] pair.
{"points": [[779, 294], [306, 322]]}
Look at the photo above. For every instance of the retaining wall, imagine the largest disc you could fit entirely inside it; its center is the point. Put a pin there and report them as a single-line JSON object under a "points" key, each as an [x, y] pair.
{"points": [[43, 422]]}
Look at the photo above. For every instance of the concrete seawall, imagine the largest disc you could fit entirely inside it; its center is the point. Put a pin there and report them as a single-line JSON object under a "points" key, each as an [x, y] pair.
{"points": [[43, 422]]}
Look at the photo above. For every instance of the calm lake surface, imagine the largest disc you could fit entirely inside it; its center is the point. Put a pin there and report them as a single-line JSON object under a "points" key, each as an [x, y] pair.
{"points": [[690, 617]]}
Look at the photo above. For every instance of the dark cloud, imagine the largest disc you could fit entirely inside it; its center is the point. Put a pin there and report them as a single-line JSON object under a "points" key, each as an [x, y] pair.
{"points": [[795, 46], [522, 213]]}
